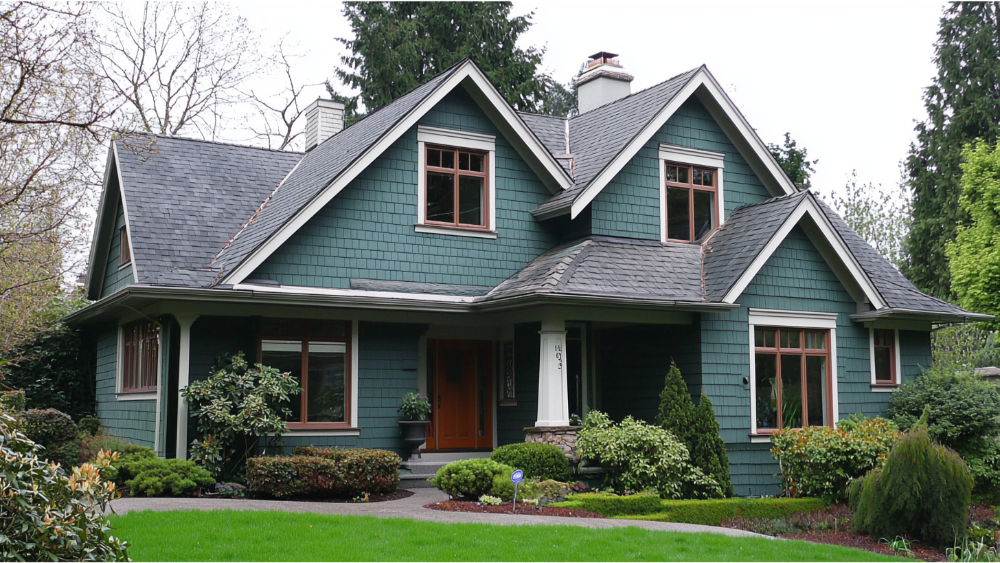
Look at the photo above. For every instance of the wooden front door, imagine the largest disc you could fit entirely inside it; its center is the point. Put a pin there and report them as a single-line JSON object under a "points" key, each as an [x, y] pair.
{"points": [[461, 392]]}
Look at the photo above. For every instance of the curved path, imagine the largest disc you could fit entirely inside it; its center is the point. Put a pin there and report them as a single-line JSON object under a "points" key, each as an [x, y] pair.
{"points": [[411, 507]]}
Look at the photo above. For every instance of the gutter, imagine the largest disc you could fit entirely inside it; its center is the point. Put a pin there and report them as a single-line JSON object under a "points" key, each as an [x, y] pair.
{"points": [[918, 315]]}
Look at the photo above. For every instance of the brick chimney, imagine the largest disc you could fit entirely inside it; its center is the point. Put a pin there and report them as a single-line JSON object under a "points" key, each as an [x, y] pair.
{"points": [[324, 118], [603, 82]]}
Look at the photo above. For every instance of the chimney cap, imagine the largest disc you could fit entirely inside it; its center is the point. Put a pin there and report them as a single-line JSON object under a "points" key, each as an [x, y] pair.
{"points": [[603, 55]]}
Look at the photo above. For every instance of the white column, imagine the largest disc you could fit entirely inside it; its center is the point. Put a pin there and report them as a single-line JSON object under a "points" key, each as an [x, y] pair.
{"points": [[553, 406], [183, 376]]}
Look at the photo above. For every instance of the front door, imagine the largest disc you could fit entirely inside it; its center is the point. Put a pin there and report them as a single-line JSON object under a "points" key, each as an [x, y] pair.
{"points": [[461, 385]]}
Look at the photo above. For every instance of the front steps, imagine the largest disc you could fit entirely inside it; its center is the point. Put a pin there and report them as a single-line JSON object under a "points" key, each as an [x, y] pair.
{"points": [[415, 474]]}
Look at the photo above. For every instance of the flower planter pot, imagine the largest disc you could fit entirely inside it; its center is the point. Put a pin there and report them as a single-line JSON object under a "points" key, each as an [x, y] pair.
{"points": [[414, 434]]}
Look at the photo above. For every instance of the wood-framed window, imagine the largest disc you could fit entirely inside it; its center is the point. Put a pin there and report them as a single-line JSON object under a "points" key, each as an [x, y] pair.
{"points": [[124, 250], [793, 387], [140, 356], [318, 355], [885, 357], [691, 201], [456, 187]]}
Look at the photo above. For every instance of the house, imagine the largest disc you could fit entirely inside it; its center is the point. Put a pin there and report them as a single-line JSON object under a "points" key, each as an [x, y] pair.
{"points": [[517, 268]]}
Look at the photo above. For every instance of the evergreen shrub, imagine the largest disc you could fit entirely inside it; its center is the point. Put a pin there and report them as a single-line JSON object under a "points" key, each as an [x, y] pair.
{"points": [[503, 487], [542, 461], [471, 478], [363, 470], [614, 505], [713, 511], [90, 425], [294, 476], [12, 401], [153, 476], [819, 461], [56, 432], [923, 490]]}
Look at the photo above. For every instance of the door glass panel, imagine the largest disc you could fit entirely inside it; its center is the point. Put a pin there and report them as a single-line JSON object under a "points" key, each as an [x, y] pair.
{"points": [[470, 200], [765, 376], [678, 214], [816, 389], [286, 357], [791, 391], [704, 213], [441, 197], [326, 396]]}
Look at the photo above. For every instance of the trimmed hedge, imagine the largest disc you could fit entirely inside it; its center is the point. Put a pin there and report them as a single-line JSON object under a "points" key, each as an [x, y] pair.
{"points": [[544, 461], [707, 512], [363, 470], [293, 476]]}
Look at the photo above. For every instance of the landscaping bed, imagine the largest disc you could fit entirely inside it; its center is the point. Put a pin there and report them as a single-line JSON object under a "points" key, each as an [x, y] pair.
{"points": [[507, 508]]}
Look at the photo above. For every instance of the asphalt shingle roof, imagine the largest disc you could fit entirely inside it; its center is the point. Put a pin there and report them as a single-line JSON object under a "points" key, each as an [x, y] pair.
{"points": [[549, 129], [186, 198]]}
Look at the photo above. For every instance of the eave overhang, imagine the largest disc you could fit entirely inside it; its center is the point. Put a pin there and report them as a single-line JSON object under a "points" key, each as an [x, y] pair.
{"points": [[917, 315]]}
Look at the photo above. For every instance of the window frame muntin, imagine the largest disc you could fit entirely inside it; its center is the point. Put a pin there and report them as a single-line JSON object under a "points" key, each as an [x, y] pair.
{"points": [[895, 361], [690, 187], [137, 393], [803, 353], [485, 175], [304, 339]]}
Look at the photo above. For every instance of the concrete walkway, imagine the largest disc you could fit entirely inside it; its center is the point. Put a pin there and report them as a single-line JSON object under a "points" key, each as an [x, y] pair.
{"points": [[411, 507]]}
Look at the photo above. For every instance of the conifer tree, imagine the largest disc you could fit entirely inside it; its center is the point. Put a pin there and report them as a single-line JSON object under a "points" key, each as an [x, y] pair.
{"points": [[676, 407], [961, 106], [708, 450]]}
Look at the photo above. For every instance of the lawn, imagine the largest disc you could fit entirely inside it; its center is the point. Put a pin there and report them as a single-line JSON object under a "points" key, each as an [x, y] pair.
{"points": [[282, 536]]}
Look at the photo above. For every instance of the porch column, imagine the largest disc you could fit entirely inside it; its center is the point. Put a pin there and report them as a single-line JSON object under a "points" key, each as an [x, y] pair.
{"points": [[183, 375], [553, 408]]}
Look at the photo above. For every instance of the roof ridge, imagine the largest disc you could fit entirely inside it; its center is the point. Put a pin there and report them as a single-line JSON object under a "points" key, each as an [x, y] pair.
{"points": [[533, 114], [193, 140], [636, 93]]}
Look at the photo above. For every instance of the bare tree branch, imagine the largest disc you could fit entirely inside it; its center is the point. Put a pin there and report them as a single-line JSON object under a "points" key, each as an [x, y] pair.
{"points": [[280, 112]]}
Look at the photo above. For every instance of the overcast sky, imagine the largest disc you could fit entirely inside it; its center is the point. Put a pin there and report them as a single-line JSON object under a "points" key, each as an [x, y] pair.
{"points": [[846, 79]]}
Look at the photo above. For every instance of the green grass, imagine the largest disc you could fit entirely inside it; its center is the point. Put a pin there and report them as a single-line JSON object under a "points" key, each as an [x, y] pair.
{"points": [[283, 536]]}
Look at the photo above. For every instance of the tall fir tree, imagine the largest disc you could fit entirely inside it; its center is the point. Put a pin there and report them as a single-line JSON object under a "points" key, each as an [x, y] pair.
{"points": [[794, 161], [676, 406], [398, 46], [708, 449], [961, 106]]}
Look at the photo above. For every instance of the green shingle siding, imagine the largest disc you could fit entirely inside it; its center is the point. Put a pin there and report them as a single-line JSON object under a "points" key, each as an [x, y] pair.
{"points": [[367, 230], [115, 276], [914, 352], [131, 420], [629, 206], [512, 420]]}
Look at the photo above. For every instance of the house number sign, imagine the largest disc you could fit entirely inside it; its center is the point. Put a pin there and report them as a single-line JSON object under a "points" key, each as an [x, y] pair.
{"points": [[559, 357]]}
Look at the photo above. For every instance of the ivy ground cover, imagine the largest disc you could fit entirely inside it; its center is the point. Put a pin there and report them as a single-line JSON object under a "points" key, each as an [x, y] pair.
{"points": [[223, 535]]}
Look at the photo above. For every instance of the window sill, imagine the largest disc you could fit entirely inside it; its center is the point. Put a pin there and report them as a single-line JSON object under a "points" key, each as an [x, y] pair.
{"points": [[454, 231], [125, 265], [133, 396], [884, 387], [319, 430], [760, 438]]}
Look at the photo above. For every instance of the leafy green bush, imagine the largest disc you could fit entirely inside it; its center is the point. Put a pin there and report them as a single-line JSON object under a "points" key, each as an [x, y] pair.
{"points": [[923, 489], [820, 461], [614, 505], [638, 456], [90, 425], [12, 401], [155, 476], [503, 487], [89, 447], [470, 478], [56, 432], [364, 470], [415, 406], [46, 514], [235, 407], [543, 461], [712, 512], [294, 476]]}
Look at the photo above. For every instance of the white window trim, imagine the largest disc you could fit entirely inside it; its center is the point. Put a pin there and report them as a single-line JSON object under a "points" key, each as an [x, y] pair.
{"points": [[694, 157], [897, 377], [120, 394], [460, 140], [791, 319]]}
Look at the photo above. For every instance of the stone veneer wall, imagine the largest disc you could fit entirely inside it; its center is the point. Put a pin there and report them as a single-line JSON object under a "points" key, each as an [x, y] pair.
{"points": [[563, 437]]}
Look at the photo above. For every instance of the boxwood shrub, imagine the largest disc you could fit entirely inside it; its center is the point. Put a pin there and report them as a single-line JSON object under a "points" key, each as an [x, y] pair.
{"points": [[614, 505], [707, 512], [363, 470], [471, 478], [294, 476], [544, 461]]}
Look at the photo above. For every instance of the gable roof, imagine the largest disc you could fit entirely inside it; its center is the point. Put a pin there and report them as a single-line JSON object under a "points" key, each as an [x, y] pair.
{"points": [[604, 139], [184, 199], [329, 167]]}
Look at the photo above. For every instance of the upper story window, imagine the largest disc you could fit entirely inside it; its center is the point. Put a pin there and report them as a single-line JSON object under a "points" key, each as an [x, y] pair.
{"points": [[791, 375], [140, 356], [124, 250], [885, 358], [691, 201], [457, 187]]}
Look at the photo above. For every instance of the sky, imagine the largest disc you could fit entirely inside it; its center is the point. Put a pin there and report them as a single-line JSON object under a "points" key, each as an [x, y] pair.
{"points": [[845, 79]]}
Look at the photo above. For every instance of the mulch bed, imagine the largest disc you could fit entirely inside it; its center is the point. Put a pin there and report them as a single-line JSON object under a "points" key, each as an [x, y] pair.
{"points": [[848, 539], [396, 495], [507, 508]]}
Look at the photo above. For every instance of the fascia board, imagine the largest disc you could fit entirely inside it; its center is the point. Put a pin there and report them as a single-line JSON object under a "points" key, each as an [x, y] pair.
{"points": [[467, 70], [917, 315], [808, 206], [96, 270], [128, 225]]}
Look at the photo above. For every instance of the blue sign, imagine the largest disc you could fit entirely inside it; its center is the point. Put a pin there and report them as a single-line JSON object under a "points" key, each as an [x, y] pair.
{"points": [[517, 476]]}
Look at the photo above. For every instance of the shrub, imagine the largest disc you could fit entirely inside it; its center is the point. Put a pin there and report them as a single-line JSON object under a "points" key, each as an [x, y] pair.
{"points": [[12, 401], [640, 456], [553, 489], [820, 461], [470, 478], [503, 487], [46, 514], [364, 470], [490, 500], [90, 425], [294, 476], [707, 448], [89, 447], [415, 406], [923, 489], [235, 407], [713, 512], [614, 505], [155, 476], [56, 432], [543, 461]]}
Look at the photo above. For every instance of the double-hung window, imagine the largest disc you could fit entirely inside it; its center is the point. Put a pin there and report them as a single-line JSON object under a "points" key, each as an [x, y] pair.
{"points": [[317, 355], [457, 187], [692, 211], [140, 356], [885, 358], [792, 378]]}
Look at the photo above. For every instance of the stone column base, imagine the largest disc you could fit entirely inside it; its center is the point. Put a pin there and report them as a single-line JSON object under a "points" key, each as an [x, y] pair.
{"points": [[563, 437]]}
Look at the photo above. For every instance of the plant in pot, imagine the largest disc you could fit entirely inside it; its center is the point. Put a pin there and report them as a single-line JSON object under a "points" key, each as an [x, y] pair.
{"points": [[416, 407]]}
